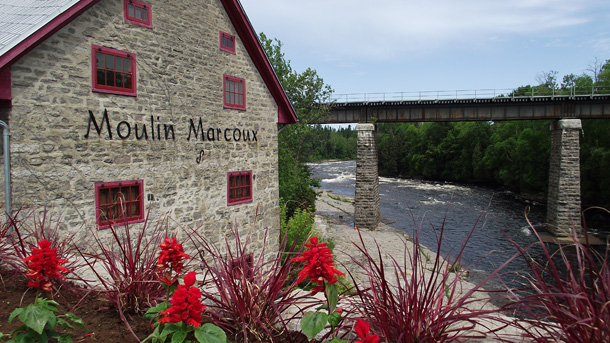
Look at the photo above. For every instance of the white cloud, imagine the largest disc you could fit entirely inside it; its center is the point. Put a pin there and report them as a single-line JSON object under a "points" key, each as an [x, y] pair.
{"points": [[386, 29]]}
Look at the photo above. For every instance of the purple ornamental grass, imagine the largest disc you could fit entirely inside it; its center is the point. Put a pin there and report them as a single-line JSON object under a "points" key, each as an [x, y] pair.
{"points": [[27, 229], [247, 293], [569, 294], [419, 300], [125, 266]]}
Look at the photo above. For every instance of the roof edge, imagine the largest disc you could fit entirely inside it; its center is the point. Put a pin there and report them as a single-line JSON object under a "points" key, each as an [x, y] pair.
{"points": [[286, 113], [45, 32]]}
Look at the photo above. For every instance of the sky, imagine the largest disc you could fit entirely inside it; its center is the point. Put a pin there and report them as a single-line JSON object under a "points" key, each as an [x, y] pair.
{"points": [[391, 46]]}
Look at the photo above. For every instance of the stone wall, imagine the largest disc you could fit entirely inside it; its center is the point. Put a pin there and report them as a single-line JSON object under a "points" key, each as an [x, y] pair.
{"points": [[366, 214], [563, 205], [180, 68]]}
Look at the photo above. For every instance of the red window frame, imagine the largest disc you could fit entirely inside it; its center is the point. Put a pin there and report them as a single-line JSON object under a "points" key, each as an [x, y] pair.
{"points": [[234, 92], [115, 63], [134, 11], [227, 42], [123, 200], [239, 187]]}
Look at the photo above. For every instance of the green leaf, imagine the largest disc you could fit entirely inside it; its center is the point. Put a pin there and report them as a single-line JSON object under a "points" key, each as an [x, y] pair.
{"points": [[64, 339], [61, 322], [332, 294], [168, 330], [36, 317], [152, 312], [336, 340], [75, 319], [210, 333], [14, 314], [179, 336], [334, 319], [313, 322]]}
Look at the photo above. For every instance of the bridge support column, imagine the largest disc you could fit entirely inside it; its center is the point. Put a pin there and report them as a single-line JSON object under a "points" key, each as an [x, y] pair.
{"points": [[366, 214], [563, 204]]}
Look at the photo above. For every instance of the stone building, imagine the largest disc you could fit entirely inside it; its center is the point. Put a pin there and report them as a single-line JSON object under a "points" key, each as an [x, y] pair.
{"points": [[119, 108]]}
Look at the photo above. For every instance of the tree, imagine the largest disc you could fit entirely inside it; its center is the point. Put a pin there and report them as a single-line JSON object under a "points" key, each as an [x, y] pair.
{"points": [[309, 95]]}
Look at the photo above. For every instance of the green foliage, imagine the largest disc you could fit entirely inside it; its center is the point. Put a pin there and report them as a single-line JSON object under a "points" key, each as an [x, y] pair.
{"points": [[179, 332], [39, 321], [309, 96], [296, 229], [313, 323]]}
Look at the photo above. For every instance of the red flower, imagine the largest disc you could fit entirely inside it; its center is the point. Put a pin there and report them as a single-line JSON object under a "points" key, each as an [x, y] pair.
{"points": [[362, 330], [171, 259], [318, 265], [44, 266], [186, 304]]}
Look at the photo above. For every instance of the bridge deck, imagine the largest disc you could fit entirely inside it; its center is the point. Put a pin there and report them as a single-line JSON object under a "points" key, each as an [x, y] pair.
{"points": [[490, 109]]}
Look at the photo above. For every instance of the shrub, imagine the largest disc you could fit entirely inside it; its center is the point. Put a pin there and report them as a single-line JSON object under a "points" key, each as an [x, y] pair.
{"points": [[296, 229], [568, 297], [420, 300], [247, 292], [22, 232], [125, 266]]}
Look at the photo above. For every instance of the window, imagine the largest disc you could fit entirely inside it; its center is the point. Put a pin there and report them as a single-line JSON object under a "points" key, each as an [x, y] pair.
{"points": [[234, 92], [114, 71], [119, 203], [139, 13], [239, 188], [227, 42]]}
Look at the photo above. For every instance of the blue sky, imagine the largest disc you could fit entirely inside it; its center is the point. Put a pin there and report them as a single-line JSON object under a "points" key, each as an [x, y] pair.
{"points": [[363, 46]]}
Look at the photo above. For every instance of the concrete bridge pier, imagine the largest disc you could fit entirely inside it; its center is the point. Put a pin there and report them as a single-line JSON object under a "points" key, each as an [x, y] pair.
{"points": [[563, 203], [366, 214]]}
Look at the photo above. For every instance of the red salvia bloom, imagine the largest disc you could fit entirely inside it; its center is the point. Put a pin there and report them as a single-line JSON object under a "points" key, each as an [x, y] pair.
{"points": [[44, 266], [318, 265], [362, 330], [186, 304], [171, 259]]}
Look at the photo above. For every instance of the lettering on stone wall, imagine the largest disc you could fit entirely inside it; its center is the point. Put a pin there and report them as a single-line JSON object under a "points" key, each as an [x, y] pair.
{"points": [[200, 157], [154, 129]]}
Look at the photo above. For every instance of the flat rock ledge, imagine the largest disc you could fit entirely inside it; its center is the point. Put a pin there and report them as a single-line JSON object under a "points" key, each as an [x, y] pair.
{"points": [[334, 220]]}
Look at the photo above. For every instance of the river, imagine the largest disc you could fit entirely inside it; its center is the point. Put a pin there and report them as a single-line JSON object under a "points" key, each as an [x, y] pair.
{"points": [[411, 205]]}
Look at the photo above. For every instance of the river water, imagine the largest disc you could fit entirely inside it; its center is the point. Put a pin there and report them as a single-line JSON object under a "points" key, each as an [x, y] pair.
{"points": [[412, 205]]}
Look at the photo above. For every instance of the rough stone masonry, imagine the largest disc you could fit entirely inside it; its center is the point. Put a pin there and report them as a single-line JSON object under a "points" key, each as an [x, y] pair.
{"points": [[366, 214]]}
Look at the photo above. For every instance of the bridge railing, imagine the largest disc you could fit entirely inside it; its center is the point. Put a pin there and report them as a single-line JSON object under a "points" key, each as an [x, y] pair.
{"points": [[470, 94]]}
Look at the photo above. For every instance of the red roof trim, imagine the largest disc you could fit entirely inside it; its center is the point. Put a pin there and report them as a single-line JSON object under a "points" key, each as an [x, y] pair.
{"points": [[286, 113], [45, 32]]}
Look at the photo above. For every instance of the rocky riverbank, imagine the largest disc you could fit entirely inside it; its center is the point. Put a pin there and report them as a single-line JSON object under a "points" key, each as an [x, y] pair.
{"points": [[334, 220]]}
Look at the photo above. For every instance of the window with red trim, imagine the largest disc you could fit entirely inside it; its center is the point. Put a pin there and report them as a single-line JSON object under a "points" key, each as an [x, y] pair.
{"points": [[239, 188], [234, 92], [114, 71], [118, 203], [137, 12], [227, 42]]}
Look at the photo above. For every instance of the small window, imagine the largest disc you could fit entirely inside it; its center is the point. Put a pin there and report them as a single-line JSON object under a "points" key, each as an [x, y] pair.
{"points": [[114, 71], [234, 92], [227, 42], [139, 13], [239, 187], [118, 203]]}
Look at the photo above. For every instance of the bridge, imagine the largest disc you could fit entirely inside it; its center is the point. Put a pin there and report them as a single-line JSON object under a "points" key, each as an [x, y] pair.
{"points": [[565, 111]]}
